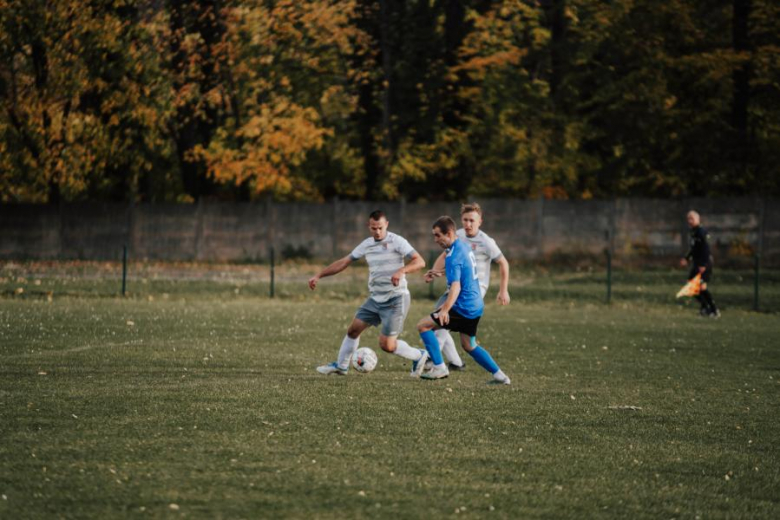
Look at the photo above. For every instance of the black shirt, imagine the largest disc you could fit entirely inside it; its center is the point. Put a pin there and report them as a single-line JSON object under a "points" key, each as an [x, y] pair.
{"points": [[699, 250]]}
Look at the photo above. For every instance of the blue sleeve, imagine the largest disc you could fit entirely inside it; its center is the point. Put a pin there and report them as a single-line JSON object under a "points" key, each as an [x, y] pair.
{"points": [[453, 268], [453, 273]]}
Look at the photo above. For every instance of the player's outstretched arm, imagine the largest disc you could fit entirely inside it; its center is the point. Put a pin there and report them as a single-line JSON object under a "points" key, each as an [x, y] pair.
{"points": [[452, 296], [503, 289], [688, 255], [334, 268], [437, 270], [415, 264]]}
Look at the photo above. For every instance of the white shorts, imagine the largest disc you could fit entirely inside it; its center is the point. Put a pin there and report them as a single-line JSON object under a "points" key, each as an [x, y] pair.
{"points": [[390, 314]]}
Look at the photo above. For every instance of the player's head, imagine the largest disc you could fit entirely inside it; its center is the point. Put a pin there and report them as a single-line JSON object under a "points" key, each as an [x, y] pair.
{"points": [[693, 218], [377, 224], [471, 218], [444, 231]]}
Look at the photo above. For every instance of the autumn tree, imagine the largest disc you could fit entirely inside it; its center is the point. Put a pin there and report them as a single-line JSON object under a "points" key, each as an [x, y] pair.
{"points": [[166, 100], [285, 90], [81, 105]]}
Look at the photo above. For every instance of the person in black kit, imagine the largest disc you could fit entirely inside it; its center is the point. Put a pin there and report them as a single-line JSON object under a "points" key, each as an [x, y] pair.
{"points": [[701, 262]]}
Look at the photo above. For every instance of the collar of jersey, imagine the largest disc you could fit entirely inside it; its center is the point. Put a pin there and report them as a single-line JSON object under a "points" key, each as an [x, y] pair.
{"points": [[449, 249]]}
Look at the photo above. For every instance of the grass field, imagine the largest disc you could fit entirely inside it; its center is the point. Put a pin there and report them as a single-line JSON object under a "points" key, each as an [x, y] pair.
{"points": [[196, 397]]}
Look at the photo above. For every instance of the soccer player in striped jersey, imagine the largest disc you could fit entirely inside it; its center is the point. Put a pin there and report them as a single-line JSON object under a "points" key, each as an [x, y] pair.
{"points": [[389, 299], [486, 251], [462, 309]]}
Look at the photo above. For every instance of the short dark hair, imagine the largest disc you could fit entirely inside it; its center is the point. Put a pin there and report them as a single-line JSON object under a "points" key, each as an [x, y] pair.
{"points": [[377, 215], [445, 224]]}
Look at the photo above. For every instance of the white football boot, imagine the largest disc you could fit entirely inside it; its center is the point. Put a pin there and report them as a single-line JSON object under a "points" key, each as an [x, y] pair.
{"points": [[437, 372], [419, 365], [332, 368], [500, 378]]}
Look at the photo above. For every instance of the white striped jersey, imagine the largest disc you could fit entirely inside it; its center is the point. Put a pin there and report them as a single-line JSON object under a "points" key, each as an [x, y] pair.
{"points": [[486, 250], [384, 258]]}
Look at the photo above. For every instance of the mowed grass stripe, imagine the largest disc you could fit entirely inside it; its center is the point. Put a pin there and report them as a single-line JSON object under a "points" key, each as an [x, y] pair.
{"points": [[214, 405]]}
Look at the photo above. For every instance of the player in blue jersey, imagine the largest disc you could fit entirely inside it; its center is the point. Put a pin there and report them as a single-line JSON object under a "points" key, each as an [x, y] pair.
{"points": [[462, 309], [486, 251]]}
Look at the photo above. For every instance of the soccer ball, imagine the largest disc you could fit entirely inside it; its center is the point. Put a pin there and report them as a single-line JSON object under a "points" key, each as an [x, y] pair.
{"points": [[364, 360]]}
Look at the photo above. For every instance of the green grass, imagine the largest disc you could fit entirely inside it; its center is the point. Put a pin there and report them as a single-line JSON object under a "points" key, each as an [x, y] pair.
{"points": [[208, 399]]}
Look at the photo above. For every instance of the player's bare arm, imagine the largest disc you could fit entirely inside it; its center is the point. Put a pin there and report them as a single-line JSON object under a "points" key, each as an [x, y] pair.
{"points": [[437, 270], [334, 268], [503, 288], [417, 262], [452, 296]]}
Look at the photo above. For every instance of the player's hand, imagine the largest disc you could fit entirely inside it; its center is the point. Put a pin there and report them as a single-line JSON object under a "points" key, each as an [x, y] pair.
{"points": [[444, 317], [683, 262], [396, 278], [503, 298], [702, 269], [431, 274], [313, 282]]}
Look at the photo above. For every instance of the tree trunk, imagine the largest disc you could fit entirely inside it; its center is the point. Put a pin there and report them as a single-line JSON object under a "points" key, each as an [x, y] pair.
{"points": [[741, 82], [387, 83], [557, 50], [205, 19], [368, 114]]}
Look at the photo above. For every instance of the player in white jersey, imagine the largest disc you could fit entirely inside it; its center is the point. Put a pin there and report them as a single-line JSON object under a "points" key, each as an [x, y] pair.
{"points": [[388, 301], [486, 251]]}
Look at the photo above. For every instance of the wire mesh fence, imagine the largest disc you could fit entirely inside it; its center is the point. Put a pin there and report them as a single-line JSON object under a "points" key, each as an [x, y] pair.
{"points": [[745, 286]]}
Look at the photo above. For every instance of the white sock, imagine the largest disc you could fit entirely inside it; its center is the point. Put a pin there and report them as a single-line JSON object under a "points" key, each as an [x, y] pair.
{"points": [[348, 346], [403, 349], [448, 349]]}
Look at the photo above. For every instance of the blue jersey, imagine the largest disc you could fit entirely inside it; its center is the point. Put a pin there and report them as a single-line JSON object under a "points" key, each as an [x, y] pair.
{"points": [[460, 265]]}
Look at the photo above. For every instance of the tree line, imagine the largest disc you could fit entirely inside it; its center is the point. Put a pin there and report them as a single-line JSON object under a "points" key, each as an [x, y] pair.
{"points": [[174, 100]]}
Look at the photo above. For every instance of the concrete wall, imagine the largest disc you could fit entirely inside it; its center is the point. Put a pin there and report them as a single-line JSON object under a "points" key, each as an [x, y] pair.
{"points": [[635, 229]]}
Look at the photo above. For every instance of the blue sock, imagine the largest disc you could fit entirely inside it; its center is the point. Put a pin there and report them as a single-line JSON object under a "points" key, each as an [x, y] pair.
{"points": [[432, 346], [483, 359]]}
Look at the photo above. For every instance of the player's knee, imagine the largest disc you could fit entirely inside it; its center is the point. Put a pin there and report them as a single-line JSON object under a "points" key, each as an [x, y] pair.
{"points": [[423, 325], [469, 343], [353, 332]]}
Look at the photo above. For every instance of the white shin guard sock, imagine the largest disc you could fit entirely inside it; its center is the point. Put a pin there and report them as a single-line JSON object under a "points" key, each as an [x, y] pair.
{"points": [[403, 349], [448, 349], [348, 346]]}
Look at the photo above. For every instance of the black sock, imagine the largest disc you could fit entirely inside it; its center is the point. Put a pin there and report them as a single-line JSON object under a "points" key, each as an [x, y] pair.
{"points": [[701, 301], [708, 301]]}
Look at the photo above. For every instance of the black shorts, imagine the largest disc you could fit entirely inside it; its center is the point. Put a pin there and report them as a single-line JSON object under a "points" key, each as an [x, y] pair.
{"points": [[458, 323], [705, 276]]}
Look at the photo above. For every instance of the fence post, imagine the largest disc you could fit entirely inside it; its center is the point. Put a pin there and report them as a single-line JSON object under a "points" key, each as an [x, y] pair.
{"points": [[431, 259], [198, 242], [272, 271], [124, 269], [757, 260], [609, 274], [540, 227], [335, 227]]}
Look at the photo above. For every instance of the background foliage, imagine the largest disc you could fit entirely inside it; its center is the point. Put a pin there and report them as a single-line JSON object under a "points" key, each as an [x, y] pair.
{"points": [[172, 100]]}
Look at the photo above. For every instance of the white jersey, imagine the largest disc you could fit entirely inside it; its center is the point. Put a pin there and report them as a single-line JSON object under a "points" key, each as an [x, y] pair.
{"points": [[485, 250], [384, 258]]}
